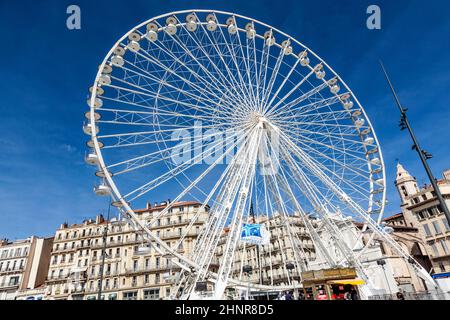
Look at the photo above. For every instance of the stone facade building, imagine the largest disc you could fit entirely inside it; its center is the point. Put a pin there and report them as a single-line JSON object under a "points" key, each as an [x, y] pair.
{"points": [[422, 210], [23, 265], [129, 272]]}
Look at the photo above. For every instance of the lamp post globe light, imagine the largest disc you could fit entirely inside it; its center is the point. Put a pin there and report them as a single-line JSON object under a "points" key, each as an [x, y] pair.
{"points": [[266, 122]]}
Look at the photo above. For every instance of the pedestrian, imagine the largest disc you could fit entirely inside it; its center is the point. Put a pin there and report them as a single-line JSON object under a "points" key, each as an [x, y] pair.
{"points": [[400, 296], [288, 295], [354, 294], [347, 295]]}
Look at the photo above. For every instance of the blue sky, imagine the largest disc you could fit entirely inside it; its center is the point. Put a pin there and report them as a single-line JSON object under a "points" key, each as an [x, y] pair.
{"points": [[46, 70]]}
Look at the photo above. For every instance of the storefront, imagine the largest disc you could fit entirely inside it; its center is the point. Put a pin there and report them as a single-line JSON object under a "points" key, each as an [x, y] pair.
{"points": [[331, 284]]}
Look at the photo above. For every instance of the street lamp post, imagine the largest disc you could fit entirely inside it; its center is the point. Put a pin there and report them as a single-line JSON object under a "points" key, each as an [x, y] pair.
{"points": [[423, 155], [247, 269], [252, 214], [290, 266], [382, 263], [102, 265]]}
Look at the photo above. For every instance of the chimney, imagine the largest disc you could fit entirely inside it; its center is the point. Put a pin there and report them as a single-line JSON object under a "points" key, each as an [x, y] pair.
{"points": [[447, 175], [149, 205], [99, 219]]}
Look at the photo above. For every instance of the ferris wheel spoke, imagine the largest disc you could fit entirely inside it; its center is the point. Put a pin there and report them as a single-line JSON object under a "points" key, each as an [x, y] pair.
{"points": [[283, 83], [263, 67], [315, 238], [204, 102], [121, 114], [281, 107], [320, 207], [346, 150], [273, 77], [227, 105], [357, 170], [351, 143], [170, 174], [195, 182], [211, 84], [315, 169], [143, 158], [326, 116], [229, 75], [274, 187], [246, 61], [226, 85], [241, 81], [154, 95], [239, 84], [295, 107]]}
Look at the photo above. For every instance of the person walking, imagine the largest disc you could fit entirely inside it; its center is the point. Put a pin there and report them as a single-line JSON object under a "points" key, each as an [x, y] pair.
{"points": [[347, 295], [288, 295], [400, 296]]}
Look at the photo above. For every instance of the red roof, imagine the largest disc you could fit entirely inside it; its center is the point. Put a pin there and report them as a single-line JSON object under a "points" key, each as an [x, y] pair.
{"points": [[175, 205]]}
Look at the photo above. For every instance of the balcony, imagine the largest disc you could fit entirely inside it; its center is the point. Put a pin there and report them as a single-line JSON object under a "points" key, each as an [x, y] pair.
{"points": [[7, 284]]}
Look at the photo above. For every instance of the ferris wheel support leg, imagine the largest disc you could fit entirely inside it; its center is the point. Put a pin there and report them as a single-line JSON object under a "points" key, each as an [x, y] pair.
{"points": [[367, 219], [236, 224]]}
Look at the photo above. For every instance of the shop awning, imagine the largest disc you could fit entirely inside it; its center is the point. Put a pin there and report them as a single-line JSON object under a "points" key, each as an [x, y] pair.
{"points": [[354, 282]]}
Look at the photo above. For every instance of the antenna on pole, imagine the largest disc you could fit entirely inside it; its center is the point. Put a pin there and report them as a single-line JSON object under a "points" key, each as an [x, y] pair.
{"points": [[423, 155]]}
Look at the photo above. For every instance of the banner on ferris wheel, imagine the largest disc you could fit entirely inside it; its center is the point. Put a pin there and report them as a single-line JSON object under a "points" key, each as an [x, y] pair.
{"points": [[255, 234]]}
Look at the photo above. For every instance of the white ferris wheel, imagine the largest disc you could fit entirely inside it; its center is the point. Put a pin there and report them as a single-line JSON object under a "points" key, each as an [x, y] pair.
{"points": [[231, 112]]}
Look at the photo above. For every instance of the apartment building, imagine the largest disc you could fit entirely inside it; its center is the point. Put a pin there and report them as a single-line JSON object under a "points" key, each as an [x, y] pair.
{"points": [[411, 241], [421, 209], [273, 264], [23, 265], [132, 270]]}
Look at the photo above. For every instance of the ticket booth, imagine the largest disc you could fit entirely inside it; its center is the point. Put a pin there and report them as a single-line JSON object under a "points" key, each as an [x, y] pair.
{"points": [[330, 284]]}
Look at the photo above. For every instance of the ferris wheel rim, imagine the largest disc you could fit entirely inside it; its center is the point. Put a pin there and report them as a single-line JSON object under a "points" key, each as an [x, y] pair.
{"points": [[92, 118]]}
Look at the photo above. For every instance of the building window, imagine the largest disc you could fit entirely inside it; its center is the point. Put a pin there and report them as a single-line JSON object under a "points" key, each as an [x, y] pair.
{"points": [[157, 278], [13, 281], [151, 294], [421, 215], [427, 230], [436, 226], [435, 249], [181, 209], [442, 267], [130, 295], [445, 222], [444, 245], [112, 296], [146, 279]]}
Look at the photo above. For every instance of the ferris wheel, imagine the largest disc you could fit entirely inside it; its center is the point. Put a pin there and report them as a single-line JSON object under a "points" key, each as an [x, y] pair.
{"points": [[231, 112]]}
